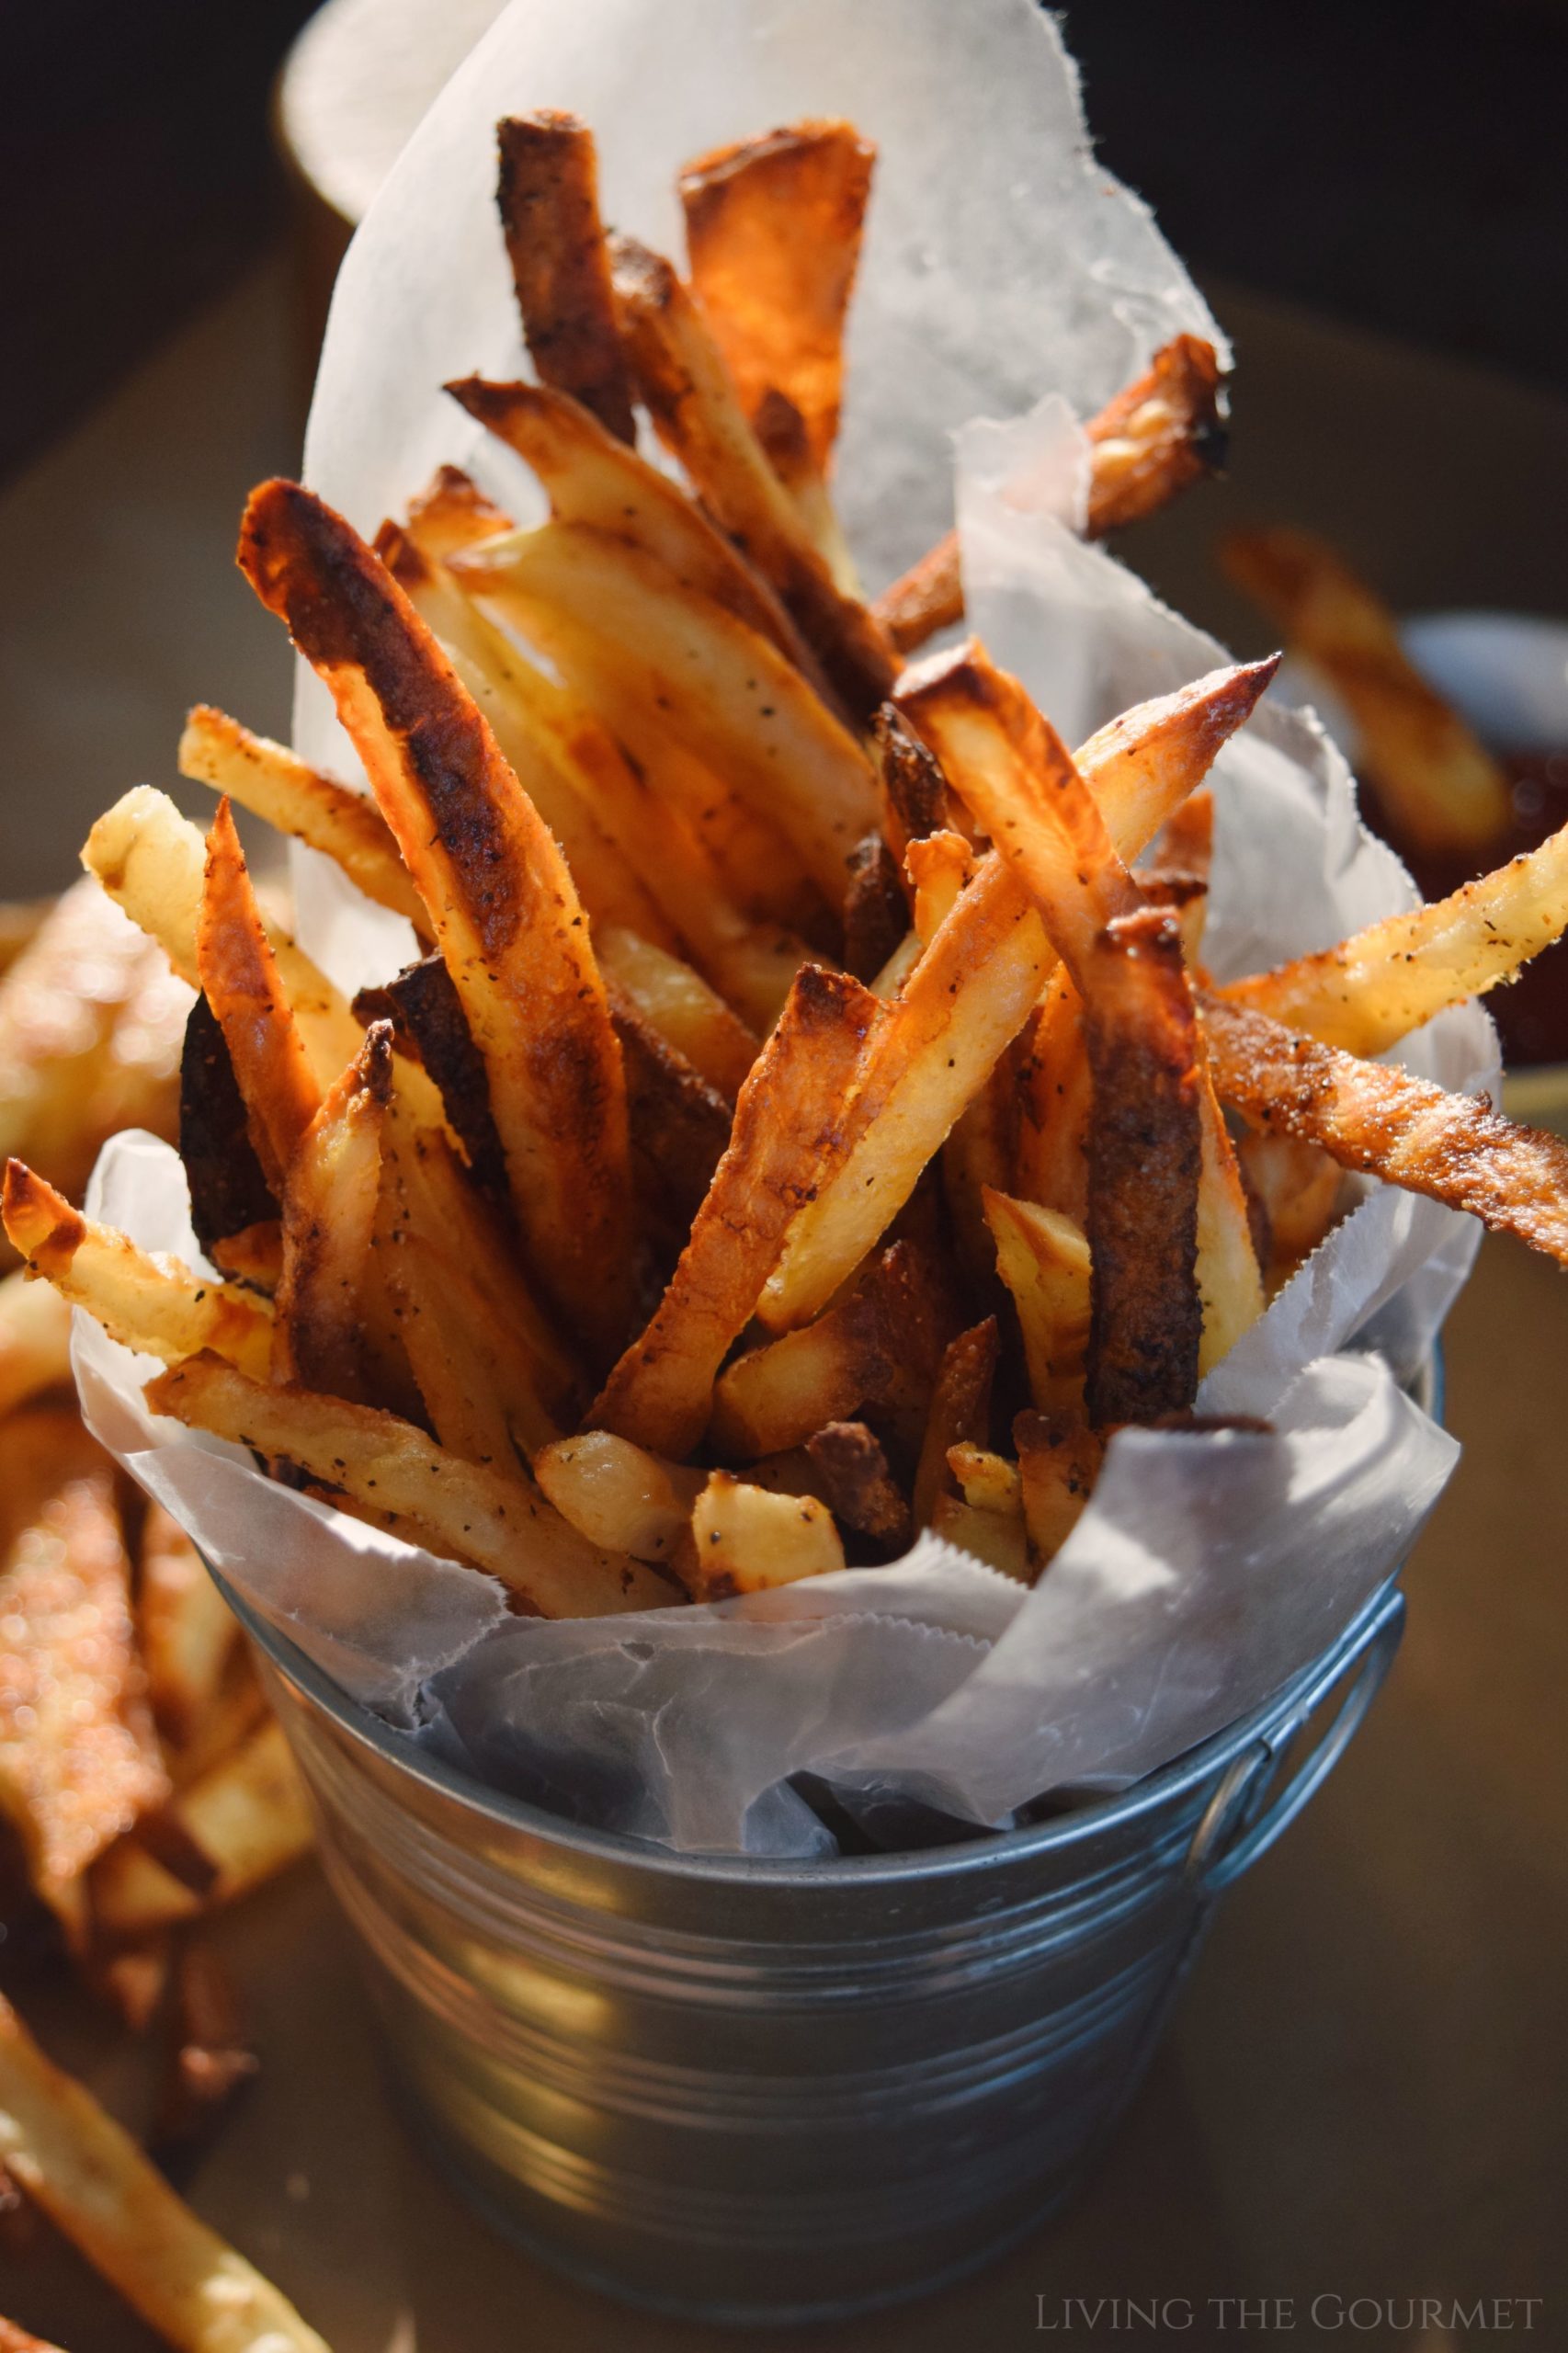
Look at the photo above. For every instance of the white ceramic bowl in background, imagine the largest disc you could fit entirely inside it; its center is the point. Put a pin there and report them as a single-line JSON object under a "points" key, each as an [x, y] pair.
{"points": [[1508, 674]]}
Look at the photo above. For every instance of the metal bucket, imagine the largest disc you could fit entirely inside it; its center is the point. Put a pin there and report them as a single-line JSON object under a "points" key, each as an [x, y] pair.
{"points": [[758, 2091]]}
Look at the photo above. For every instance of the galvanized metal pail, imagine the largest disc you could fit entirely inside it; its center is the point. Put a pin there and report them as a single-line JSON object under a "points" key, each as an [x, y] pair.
{"points": [[781, 2091]]}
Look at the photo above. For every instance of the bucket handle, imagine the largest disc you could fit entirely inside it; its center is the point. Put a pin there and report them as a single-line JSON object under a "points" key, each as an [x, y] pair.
{"points": [[1227, 1842]]}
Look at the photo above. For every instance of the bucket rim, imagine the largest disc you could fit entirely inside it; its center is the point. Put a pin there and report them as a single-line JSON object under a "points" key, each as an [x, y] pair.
{"points": [[985, 1850]]}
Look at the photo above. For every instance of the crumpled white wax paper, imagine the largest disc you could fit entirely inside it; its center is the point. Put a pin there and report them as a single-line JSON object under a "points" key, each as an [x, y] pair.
{"points": [[1004, 276]]}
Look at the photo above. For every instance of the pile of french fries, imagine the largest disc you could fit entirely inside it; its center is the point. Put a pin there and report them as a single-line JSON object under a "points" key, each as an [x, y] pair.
{"points": [[810, 1120]]}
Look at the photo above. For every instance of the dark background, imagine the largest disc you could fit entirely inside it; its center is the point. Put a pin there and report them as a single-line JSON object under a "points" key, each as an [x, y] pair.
{"points": [[1401, 162]]}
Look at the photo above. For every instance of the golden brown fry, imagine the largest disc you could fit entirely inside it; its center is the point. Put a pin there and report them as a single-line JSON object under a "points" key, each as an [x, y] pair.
{"points": [[1044, 1260], [697, 413], [94, 2183], [776, 1396], [1184, 844], [329, 1219], [773, 230], [1058, 1466], [241, 984], [230, 1829], [1145, 1162], [997, 1538], [938, 866], [748, 1540], [548, 196], [1403, 1129], [1442, 788], [974, 988], [187, 1631], [960, 1408], [1053, 1133], [628, 635], [1155, 436], [35, 1341], [1230, 1280], [681, 1007], [1297, 1187], [915, 799], [781, 430], [159, 1307], [619, 1495], [988, 1482], [500, 1523], [787, 1131], [268, 780], [1377, 986], [502, 904], [78, 1758], [590, 477], [426, 1011], [680, 1125]]}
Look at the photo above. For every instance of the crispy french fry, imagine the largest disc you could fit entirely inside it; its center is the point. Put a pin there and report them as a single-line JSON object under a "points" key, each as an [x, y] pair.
{"points": [[549, 201], [1053, 1133], [777, 1396], [499, 1522], [628, 636], [1058, 1466], [747, 1539], [938, 866], [915, 799], [852, 1478], [973, 989], [590, 477], [229, 1192], [681, 1007], [78, 1758], [240, 982], [988, 1482], [772, 229], [619, 1495], [157, 1306], [1403, 1129], [960, 1411], [1434, 776], [688, 392], [235, 1826], [476, 1410], [452, 513], [781, 430], [1230, 1280], [94, 2183], [1377, 986], [427, 1014], [502, 904], [268, 780], [1145, 1166], [188, 1632], [1156, 436], [787, 1131], [997, 1538], [1043, 1258], [1297, 1187], [329, 1219], [981, 1152], [35, 1340], [876, 915], [680, 1125]]}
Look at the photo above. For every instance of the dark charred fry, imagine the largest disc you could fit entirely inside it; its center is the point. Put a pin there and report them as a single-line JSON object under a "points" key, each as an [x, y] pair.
{"points": [[788, 1128], [680, 1125], [548, 196], [773, 230], [876, 912], [241, 982], [855, 1483], [425, 1010], [1405, 1130], [1153, 439], [1145, 1157], [916, 799], [228, 1189], [960, 1411], [503, 904]]}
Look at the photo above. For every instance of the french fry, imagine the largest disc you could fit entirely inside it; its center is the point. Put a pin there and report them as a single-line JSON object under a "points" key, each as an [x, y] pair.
{"points": [[687, 391], [1043, 1258], [686, 1013], [499, 1522], [1230, 1280], [1405, 1130], [1375, 987], [268, 780], [1297, 1188], [1434, 776], [95, 2186], [988, 1482], [426, 1011], [241, 984], [1146, 1167], [547, 197], [997, 1538], [1053, 1132], [1156, 436], [186, 1630], [590, 477], [35, 1341], [620, 1496], [959, 1411], [974, 988], [229, 1192], [232, 1829], [852, 1478], [78, 1758], [212, 2059], [502, 904], [680, 1125], [938, 866], [160, 1308], [981, 1152], [630, 638], [876, 915], [772, 229], [748, 1540], [1057, 1466], [777, 1396], [781, 430], [915, 799], [787, 1131], [329, 1218]]}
